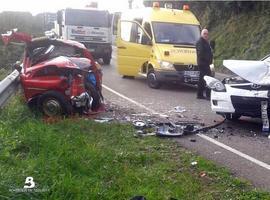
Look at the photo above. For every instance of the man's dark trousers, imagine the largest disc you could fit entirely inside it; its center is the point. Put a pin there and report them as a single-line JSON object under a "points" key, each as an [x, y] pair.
{"points": [[204, 71]]}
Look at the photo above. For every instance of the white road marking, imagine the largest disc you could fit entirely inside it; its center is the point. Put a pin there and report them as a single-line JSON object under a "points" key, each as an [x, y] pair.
{"points": [[130, 100], [209, 139], [258, 162]]}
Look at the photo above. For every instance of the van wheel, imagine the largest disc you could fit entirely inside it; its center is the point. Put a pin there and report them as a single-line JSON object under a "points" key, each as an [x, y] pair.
{"points": [[232, 117], [53, 104], [152, 80]]}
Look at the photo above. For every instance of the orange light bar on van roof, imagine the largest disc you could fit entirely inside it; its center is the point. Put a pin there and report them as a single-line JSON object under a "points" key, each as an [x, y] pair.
{"points": [[185, 7], [156, 5]]}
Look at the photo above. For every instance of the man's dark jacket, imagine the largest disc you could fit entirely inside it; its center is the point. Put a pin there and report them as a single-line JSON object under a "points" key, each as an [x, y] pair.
{"points": [[204, 53]]}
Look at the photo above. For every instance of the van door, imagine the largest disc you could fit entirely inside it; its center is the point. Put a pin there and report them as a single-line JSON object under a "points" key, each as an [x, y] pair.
{"points": [[115, 19], [133, 48]]}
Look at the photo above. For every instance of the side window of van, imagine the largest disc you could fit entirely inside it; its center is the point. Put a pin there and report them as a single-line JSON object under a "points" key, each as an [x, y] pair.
{"points": [[132, 32]]}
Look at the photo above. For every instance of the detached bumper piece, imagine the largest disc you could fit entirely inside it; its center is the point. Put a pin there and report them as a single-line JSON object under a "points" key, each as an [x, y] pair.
{"points": [[168, 129]]}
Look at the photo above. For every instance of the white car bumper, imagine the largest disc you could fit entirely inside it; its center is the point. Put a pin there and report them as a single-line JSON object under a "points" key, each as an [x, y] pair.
{"points": [[221, 102]]}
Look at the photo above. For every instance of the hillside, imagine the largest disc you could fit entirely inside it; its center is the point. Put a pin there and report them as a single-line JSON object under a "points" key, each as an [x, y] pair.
{"points": [[240, 29], [25, 22]]}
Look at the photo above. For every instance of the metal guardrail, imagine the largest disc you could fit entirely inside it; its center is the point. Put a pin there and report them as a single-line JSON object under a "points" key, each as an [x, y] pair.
{"points": [[8, 87]]}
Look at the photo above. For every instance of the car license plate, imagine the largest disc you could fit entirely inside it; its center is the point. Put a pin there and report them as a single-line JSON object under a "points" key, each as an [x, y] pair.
{"points": [[192, 73], [91, 50]]}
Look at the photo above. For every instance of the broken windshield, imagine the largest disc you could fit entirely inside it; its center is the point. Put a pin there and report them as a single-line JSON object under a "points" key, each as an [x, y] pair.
{"points": [[175, 33]]}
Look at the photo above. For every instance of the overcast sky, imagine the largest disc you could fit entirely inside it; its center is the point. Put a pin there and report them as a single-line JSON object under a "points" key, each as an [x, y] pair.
{"points": [[38, 6]]}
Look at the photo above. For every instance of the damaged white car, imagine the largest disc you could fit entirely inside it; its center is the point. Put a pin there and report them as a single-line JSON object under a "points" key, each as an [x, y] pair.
{"points": [[244, 95]]}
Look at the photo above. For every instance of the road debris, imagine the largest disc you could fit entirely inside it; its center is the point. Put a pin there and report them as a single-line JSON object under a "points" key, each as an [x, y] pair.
{"points": [[202, 174], [141, 115], [178, 109], [169, 130], [195, 117], [139, 125], [194, 163], [103, 120], [177, 129], [180, 116], [127, 118], [163, 116]]}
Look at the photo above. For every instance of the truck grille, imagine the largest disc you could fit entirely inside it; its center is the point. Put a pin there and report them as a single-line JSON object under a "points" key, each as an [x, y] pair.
{"points": [[88, 38]]}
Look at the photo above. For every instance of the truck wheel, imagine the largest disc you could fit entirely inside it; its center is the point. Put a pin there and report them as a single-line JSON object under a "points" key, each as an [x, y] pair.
{"points": [[232, 117], [92, 91], [53, 104], [107, 60], [152, 80]]}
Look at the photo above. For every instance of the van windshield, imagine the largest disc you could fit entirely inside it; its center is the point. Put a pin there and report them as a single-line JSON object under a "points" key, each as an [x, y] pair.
{"points": [[173, 33]]}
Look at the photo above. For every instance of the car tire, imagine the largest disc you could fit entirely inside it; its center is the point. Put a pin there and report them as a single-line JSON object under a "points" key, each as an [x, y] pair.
{"points": [[232, 117], [53, 104], [93, 92], [152, 80], [106, 60]]}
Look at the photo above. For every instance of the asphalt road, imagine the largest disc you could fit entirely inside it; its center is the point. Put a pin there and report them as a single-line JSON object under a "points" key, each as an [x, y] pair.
{"points": [[238, 146]]}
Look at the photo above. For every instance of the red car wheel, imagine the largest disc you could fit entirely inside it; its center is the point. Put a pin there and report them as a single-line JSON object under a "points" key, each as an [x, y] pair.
{"points": [[54, 104]]}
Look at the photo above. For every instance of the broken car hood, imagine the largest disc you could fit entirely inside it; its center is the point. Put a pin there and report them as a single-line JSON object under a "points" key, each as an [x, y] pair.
{"points": [[257, 72], [69, 62]]}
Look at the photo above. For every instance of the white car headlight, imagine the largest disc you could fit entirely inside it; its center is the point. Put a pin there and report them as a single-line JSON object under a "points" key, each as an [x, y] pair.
{"points": [[165, 64], [214, 84]]}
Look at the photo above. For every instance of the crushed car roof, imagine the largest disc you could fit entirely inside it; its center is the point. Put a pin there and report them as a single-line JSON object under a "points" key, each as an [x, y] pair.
{"points": [[47, 41], [257, 72], [31, 42]]}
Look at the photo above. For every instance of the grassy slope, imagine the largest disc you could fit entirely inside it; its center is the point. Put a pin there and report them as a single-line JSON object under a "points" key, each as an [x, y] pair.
{"points": [[84, 160], [238, 36]]}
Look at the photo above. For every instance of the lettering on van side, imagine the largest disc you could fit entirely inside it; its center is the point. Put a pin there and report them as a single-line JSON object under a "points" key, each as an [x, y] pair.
{"points": [[182, 51]]}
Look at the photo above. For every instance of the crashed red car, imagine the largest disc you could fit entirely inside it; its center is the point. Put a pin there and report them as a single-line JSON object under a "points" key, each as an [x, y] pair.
{"points": [[60, 77]]}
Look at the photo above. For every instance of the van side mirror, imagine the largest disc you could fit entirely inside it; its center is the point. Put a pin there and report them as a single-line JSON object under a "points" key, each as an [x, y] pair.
{"points": [[213, 44]]}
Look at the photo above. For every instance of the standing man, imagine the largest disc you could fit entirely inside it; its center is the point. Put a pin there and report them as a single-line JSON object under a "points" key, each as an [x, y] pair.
{"points": [[204, 59]]}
